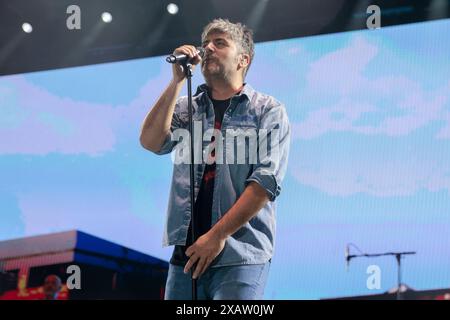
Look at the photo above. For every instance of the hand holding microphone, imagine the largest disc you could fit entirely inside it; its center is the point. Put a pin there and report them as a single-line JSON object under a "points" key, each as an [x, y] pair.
{"points": [[181, 55]]}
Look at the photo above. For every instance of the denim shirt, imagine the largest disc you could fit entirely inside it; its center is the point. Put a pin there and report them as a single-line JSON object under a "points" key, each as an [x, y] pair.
{"points": [[253, 243]]}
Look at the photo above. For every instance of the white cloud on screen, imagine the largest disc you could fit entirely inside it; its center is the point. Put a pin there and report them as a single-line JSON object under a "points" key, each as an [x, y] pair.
{"points": [[340, 75], [37, 122]]}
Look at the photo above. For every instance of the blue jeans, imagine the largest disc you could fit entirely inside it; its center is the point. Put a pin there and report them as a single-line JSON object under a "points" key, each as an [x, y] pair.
{"points": [[242, 282]]}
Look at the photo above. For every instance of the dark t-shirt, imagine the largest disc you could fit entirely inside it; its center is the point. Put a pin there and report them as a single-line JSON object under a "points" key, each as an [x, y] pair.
{"points": [[203, 203]]}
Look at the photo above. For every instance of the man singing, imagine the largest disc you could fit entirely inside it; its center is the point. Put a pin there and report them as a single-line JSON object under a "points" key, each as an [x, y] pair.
{"points": [[234, 211]]}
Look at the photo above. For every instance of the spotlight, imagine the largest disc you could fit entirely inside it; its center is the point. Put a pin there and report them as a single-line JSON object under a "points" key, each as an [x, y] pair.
{"points": [[172, 8], [26, 27], [106, 17]]}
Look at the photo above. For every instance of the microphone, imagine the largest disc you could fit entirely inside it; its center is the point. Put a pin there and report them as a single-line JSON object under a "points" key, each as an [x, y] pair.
{"points": [[347, 257], [181, 57]]}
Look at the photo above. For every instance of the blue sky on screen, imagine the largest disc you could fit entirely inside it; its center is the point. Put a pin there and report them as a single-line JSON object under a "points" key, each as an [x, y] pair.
{"points": [[369, 162]]}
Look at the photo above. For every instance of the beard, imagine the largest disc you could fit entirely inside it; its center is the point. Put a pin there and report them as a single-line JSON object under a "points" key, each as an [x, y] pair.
{"points": [[211, 67], [215, 69]]}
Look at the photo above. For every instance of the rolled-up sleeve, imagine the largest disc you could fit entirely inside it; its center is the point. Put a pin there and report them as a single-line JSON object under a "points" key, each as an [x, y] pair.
{"points": [[176, 123], [274, 132]]}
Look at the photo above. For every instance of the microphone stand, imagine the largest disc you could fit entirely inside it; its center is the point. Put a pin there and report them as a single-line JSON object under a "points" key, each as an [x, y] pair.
{"points": [[398, 257], [187, 67]]}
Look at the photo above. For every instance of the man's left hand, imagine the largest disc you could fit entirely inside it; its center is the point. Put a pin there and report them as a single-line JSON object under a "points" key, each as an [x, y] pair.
{"points": [[203, 251]]}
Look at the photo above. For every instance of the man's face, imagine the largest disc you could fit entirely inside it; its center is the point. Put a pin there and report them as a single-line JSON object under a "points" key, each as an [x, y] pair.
{"points": [[52, 285], [221, 58]]}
